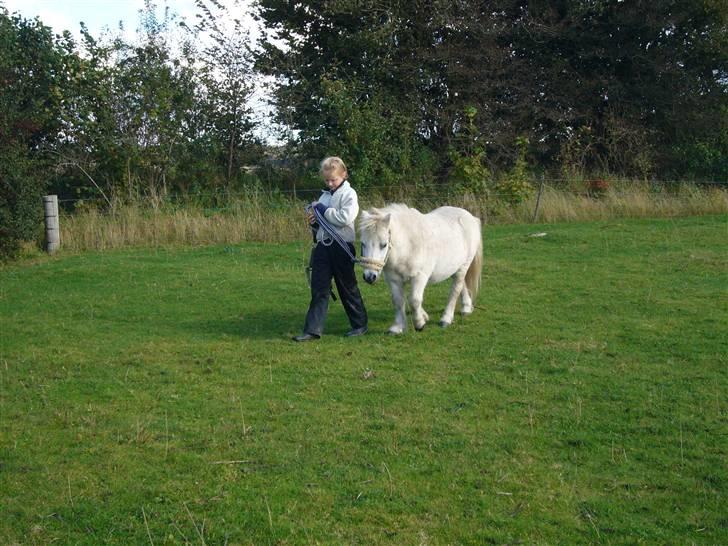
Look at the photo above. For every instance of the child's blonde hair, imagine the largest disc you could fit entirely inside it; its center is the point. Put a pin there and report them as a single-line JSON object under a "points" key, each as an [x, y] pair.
{"points": [[335, 164]]}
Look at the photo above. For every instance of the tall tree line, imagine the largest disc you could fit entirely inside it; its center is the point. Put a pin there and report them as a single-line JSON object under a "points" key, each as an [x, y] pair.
{"points": [[409, 92], [628, 87]]}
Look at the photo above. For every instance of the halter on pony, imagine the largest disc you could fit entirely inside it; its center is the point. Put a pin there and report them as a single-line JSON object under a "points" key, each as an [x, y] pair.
{"points": [[368, 263], [374, 265]]}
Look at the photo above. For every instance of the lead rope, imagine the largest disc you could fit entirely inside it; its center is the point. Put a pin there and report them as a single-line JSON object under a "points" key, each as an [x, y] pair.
{"points": [[331, 232], [369, 263]]}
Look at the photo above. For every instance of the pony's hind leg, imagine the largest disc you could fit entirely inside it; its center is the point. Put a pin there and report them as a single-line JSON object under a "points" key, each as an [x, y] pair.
{"points": [[419, 316], [400, 320], [466, 301], [458, 285]]}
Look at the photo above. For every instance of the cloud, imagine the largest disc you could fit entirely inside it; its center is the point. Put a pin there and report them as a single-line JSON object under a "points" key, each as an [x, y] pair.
{"points": [[99, 14], [56, 18], [68, 14]]}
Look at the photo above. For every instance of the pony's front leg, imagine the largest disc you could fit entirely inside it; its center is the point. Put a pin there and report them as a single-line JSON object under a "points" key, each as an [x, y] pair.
{"points": [[419, 316], [458, 285], [400, 320]]}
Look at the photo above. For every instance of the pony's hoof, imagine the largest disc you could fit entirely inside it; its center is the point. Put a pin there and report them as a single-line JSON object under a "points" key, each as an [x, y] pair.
{"points": [[444, 324], [395, 332], [420, 328], [466, 312]]}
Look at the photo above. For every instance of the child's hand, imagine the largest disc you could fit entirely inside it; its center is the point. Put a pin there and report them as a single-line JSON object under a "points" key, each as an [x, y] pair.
{"points": [[310, 216]]}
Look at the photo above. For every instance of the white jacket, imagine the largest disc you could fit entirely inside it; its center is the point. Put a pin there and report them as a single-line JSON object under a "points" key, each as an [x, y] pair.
{"points": [[342, 207]]}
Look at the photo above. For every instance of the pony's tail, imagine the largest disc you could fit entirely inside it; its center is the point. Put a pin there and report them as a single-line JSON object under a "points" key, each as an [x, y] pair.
{"points": [[472, 277]]}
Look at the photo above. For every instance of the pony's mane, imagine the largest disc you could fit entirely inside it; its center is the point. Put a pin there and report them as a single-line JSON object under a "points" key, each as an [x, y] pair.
{"points": [[376, 215]]}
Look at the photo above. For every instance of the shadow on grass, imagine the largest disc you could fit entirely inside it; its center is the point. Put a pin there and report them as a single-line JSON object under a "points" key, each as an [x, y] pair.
{"points": [[262, 324], [277, 324]]}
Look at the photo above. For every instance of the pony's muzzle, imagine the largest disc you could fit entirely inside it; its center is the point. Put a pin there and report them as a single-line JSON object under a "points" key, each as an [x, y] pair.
{"points": [[372, 268]]}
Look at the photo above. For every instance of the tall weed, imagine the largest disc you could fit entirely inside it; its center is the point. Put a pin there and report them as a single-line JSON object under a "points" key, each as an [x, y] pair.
{"points": [[270, 217]]}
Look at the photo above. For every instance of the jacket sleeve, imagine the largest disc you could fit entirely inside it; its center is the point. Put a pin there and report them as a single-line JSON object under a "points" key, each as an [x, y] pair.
{"points": [[321, 208], [345, 213]]}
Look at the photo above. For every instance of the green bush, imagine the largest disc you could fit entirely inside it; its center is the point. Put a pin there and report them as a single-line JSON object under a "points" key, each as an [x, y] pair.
{"points": [[469, 173], [705, 159], [21, 206], [515, 186], [375, 138], [32, 71]]}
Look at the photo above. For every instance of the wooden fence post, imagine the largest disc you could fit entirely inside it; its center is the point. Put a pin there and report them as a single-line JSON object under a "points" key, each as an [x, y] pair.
{"points": [[538, 200], [53, 233]]}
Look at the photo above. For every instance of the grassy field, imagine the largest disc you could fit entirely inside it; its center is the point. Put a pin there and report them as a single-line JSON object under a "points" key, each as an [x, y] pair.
{"points": [[154, 397]]}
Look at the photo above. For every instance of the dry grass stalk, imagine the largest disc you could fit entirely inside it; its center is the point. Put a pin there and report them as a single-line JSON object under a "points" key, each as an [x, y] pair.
{"points": [[136, 226]]}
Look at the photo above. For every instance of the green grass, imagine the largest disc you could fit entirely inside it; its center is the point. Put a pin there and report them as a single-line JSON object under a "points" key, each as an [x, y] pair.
{"points": [[154, 396]]}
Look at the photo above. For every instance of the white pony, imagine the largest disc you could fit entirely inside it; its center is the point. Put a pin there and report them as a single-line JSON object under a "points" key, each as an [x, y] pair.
{"points": [[408, 246]]}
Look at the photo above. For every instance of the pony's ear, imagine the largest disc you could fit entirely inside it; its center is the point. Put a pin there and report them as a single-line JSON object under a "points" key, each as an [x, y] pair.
{"points": [[385, 221]]}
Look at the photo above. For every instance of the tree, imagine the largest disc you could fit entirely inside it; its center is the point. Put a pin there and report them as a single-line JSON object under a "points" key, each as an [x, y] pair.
{"points": [[603, 83], [227, 85], [341, 88], [131, 116], [33, 77], [624, 77]]}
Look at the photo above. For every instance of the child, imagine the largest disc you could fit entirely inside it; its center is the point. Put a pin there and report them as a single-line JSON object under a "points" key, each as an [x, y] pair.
{"points": [[339, 206]]}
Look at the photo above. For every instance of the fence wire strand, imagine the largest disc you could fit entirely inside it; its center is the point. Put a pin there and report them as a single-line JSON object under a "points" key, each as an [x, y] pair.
{"points": [[436, 194]]}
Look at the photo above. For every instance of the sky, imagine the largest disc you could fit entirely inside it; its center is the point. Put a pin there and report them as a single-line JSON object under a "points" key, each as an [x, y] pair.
{"points": [[100, 14], [97, 14]]}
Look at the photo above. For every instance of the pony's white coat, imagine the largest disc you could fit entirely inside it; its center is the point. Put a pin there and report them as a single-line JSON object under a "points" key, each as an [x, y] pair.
{"points": [[420, 249]]}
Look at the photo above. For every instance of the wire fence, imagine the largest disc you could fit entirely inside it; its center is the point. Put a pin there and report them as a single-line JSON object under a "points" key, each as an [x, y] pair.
{"points": [[432, 190], [615, 196], [276, 215]]}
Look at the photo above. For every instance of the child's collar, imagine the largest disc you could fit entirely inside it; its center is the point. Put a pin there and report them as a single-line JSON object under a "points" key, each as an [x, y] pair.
{"points": [[335, 189]]}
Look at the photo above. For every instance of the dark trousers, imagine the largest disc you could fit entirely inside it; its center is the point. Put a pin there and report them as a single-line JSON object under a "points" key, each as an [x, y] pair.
{"points": [[332, 261]]}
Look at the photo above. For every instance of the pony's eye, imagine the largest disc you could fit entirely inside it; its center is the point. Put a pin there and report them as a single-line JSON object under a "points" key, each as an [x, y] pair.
{"points": [[383, 246]]}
